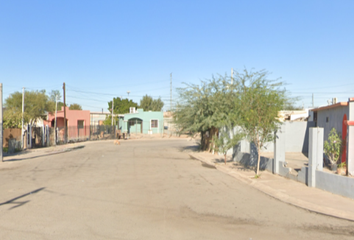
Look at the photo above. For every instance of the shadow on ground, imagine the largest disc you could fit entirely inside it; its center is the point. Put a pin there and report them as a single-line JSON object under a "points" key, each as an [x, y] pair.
{"points": [[44, 153], [20, 203], [194, 148]]}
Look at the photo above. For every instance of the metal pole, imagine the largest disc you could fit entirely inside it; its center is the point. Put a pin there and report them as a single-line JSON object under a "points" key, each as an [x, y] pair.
{"points": [[55, 121], [65, 133], [171, 92], [313, 101], [232, 76], [112, 110], [1, 122], [23, 110]]}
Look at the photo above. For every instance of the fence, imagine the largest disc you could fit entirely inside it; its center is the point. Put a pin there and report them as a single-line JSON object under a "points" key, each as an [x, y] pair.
{"points": [[45, 136]]}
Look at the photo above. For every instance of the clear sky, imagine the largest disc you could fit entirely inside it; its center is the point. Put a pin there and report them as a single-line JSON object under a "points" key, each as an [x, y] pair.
{"points": [[102, 49]]}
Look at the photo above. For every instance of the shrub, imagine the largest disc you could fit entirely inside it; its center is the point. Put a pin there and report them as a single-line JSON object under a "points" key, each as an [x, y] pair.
{"points": [[333, 146]]}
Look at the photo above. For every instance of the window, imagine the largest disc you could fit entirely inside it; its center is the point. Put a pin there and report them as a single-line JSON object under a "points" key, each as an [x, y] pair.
{"points": [[80, 124], [154, 123], [327, 118]]}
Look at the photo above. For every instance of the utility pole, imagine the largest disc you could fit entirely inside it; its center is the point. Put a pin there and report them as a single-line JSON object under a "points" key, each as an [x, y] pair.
{"points": [[112, 110], [23, 110], [1, 122], [232, 76], [171, 92], [65, 133], [55, 121], [313, 101]]}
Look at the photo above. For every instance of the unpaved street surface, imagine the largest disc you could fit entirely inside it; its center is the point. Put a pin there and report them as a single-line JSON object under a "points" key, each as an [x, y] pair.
{"points": [[144, 190]]}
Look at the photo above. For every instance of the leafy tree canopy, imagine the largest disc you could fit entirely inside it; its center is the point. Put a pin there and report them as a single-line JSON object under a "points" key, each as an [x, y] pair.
{"points": [[75, 106], [53, 95], [261, 100], [212, 104], [250, 101], [150, 104], [121, 106], [37, 103]]}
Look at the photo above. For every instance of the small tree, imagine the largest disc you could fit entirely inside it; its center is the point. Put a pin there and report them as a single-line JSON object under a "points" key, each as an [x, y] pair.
{"points": [[333, 146], [227, 139], [261, 100]]}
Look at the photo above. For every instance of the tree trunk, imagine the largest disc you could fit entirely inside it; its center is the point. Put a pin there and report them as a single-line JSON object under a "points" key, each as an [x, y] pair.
{"points": [[202, 140], [225, 158], [258, 154], [214, 144]]}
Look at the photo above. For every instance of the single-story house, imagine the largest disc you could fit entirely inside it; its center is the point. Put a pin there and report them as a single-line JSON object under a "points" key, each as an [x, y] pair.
{"points": [[77, 122], [341, 117], [139, 121]]}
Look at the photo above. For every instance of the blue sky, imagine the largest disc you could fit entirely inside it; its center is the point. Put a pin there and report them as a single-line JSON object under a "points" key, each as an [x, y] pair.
{"points": [[102, 49]]}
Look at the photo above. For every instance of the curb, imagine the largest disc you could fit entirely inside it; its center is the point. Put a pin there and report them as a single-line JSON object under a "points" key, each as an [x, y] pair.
{"points": [[46, 153], [278, 195]]}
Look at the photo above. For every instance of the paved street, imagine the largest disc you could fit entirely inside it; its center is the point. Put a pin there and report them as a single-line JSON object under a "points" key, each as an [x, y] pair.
{"points": [[144, 190]]}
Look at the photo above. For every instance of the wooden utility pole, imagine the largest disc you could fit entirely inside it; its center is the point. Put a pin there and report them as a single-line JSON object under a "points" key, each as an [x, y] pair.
{"points": [[65, 130]]}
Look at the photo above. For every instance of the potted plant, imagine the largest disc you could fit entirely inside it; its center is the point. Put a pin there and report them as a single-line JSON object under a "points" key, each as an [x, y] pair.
{"points": [[333, 148], [342, 168]]}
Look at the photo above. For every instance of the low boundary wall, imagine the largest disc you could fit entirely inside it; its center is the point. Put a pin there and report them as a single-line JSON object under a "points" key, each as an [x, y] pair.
{"points": [[313, 175], [336, 184]]}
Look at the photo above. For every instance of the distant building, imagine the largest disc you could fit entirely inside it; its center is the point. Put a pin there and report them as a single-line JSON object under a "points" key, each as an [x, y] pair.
{"points": [[139, 121], [77, 122], [97, 118]]}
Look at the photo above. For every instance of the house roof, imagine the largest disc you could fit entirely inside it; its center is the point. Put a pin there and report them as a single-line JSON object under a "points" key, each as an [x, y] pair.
{"points": [[340, 104]]}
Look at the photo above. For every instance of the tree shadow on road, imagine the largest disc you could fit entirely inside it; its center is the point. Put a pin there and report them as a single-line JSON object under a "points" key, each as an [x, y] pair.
{"points": [[194, 148]]}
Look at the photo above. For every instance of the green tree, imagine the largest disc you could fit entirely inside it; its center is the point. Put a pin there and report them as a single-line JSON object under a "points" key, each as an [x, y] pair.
{"points": [[12, 118], [207, 107], [52, 96], [36, 105], [150, 104], [227, 139], [121, 106], [75, 106], [261, 100]]}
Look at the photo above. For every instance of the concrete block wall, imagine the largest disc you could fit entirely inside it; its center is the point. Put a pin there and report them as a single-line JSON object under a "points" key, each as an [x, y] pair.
{"points": [[313, 175], [296, 137], [336, 184]]}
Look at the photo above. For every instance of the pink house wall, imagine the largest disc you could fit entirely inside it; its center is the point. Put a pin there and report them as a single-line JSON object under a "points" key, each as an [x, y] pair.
{"points": [[72, 118]]}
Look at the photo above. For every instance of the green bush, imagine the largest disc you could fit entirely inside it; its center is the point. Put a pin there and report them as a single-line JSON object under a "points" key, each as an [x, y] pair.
{"points": [[333, 146]]}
